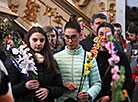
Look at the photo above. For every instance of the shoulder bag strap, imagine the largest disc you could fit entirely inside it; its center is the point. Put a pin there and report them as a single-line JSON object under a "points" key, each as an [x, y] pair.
{"points": [[106, 72], [82, 71]]}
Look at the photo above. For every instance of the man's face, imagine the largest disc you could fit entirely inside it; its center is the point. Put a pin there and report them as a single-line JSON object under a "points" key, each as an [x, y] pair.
{"points": [[117, 31], [72, 38], [96, 24], [133, 37]]}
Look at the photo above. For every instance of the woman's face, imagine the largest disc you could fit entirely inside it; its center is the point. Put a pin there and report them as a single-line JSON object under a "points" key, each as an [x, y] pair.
{"points": [[102, 35], [52, 35], [37, 41]]}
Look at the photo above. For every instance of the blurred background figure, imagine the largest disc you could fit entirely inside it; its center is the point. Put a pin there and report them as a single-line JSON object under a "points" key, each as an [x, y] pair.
{"points": [[118, 37], [5, 85], [5, 96], [132, 46], [60, 32], [73, 17], [82, 24], [56, 44]]}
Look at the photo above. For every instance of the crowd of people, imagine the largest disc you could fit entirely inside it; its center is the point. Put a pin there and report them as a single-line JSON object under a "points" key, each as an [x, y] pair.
{"points": [[61, 60]]}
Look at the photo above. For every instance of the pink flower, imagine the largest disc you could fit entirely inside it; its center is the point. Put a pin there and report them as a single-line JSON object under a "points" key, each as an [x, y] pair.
{"points": [[114, 59], [110, 47], [93, 51], [109, 34], [115, 69], [110, 60], [115, 77]]}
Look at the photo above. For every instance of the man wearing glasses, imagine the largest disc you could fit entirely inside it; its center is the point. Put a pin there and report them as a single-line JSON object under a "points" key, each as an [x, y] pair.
{"points": [[71, 61]]}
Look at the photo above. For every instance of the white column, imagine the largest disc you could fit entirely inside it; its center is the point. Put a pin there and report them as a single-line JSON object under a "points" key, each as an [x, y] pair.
{"points": [[4, 3], [120, 13]]}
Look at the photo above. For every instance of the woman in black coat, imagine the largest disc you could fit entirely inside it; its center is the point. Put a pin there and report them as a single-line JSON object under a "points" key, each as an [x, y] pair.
{"points": [[48, 86], [105, 94]]}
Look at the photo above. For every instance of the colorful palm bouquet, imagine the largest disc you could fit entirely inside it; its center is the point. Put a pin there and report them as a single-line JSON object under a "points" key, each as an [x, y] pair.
{"points": [[117, 75], [18, 50], [93, 53]]}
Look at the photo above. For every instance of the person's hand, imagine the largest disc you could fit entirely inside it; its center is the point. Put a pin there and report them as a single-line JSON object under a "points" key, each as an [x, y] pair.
{"points": [[104, 99], [70, 85], [32, 84], [42, 93], [83, 95], [136, 80]]}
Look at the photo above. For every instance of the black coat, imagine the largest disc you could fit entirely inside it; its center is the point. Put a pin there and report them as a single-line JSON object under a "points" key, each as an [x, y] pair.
{"points": [[87, 44], [53, 82], [4, 80], [102, 61], [135, 96]]}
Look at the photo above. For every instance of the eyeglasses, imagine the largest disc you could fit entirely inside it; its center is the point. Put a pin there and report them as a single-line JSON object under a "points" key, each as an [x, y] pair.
{"points": [[73, 37]]}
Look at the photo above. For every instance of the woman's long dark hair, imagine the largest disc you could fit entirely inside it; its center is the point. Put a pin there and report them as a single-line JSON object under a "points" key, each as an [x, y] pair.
{"points": [[50, 63]]}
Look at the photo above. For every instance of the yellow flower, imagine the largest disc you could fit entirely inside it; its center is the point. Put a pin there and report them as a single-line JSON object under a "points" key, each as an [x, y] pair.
{"points": [[86, 66], [95, 54], [90, 64], [124, 93], [86, 72], [95, 39], [123, 78], [90, 56]]}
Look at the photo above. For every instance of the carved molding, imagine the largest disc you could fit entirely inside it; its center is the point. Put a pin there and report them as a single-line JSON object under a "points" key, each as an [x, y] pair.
{"points": [[31, 11], [49, 11], [5, 9], [13, 7], [69, 12], [83, 3]]}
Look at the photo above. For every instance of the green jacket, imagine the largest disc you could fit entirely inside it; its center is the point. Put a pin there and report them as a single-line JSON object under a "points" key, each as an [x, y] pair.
{"points": [[71, 64]]}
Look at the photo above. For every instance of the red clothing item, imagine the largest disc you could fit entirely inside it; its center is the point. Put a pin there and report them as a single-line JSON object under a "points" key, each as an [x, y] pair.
{"points": [[134, 75]]}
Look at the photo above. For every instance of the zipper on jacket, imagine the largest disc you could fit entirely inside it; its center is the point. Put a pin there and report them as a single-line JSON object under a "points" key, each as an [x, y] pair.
{"points": [[72, 70]]}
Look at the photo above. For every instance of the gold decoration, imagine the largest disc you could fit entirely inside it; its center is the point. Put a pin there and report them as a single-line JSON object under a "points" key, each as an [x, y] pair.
{"points": [[49, 11], [112, 7], [102, 6], [58, 18], [13, 7], [31, 11], [112, 11]]}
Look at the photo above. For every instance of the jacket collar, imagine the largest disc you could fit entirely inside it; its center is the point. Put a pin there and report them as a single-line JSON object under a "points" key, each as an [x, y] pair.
{"points": [[74, 52]]}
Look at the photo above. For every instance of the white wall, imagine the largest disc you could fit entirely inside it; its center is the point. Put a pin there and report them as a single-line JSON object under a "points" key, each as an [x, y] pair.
{"points": [[132, 3], [120, 13]]}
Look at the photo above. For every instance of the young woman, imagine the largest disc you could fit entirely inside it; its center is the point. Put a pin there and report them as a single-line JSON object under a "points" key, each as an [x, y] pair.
{"points": [[49, 83]]}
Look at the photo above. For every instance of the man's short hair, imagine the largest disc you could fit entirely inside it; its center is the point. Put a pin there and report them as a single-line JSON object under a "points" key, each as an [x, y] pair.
{"points": [[73, 25], [98, 15], [117, 25], [133, 29]]}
